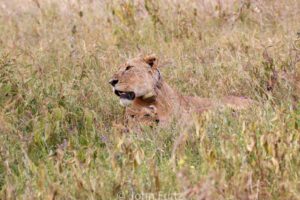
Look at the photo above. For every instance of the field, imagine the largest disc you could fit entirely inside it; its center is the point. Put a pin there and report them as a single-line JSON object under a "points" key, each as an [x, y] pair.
{"points": [[61, 126]]}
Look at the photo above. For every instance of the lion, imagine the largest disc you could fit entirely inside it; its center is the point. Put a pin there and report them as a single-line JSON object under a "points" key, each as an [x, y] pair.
{"points": [[147, 98]]}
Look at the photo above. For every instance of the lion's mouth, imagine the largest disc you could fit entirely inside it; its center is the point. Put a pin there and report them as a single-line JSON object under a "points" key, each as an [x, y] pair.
{"points": [[125, 95]]}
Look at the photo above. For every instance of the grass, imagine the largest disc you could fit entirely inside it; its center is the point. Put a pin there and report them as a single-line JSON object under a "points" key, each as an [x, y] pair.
{"points": [[61, 126]]}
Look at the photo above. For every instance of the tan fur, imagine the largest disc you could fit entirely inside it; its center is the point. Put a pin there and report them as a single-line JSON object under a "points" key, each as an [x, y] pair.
{"points": [[156, 101]]}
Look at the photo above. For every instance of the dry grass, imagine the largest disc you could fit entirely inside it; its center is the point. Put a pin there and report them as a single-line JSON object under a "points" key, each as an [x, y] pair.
{"points": [[60, 123]]}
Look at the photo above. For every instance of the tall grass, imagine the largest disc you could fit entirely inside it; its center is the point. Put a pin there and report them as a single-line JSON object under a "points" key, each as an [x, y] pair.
{"points": [[61, 127]]}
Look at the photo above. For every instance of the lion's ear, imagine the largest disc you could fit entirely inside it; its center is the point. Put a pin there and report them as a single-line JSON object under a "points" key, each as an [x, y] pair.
{"points": [[151, 60]]}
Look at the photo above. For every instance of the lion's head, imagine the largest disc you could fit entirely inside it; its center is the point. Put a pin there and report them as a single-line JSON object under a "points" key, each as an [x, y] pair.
{"points": [[137, 78]]}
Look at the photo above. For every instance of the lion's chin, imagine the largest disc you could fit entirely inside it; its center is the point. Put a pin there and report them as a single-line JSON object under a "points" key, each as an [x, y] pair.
{"points": [[125, 102]]}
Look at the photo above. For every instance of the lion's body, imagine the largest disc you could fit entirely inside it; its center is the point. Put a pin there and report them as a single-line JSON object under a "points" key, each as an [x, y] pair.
{"points": [[171, 104], [155, 101]]}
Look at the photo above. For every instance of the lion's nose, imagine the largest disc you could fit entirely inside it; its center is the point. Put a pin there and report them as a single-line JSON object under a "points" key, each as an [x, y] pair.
{"points": [[113, 82]]}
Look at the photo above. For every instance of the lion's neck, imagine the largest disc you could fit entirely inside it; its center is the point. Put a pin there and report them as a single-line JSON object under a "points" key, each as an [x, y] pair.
{"points": [[165, 96], [166, 101]]}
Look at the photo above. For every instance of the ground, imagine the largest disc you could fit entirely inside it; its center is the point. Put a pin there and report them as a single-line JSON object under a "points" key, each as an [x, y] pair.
{"points": [[61, 126]]}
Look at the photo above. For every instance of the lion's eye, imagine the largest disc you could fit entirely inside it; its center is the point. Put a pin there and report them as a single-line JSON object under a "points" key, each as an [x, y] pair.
{"points": [[128, 67]]}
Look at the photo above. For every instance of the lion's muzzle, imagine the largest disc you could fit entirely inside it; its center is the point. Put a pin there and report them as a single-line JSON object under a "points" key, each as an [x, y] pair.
{"points": [[113, 82], [125, 95]]}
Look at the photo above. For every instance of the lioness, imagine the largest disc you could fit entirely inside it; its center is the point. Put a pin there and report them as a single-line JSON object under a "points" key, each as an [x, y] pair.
{"points": [[147, 97]]}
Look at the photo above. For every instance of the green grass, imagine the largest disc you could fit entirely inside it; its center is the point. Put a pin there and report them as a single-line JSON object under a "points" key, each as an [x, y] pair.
{"points": [[61, 126]]}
